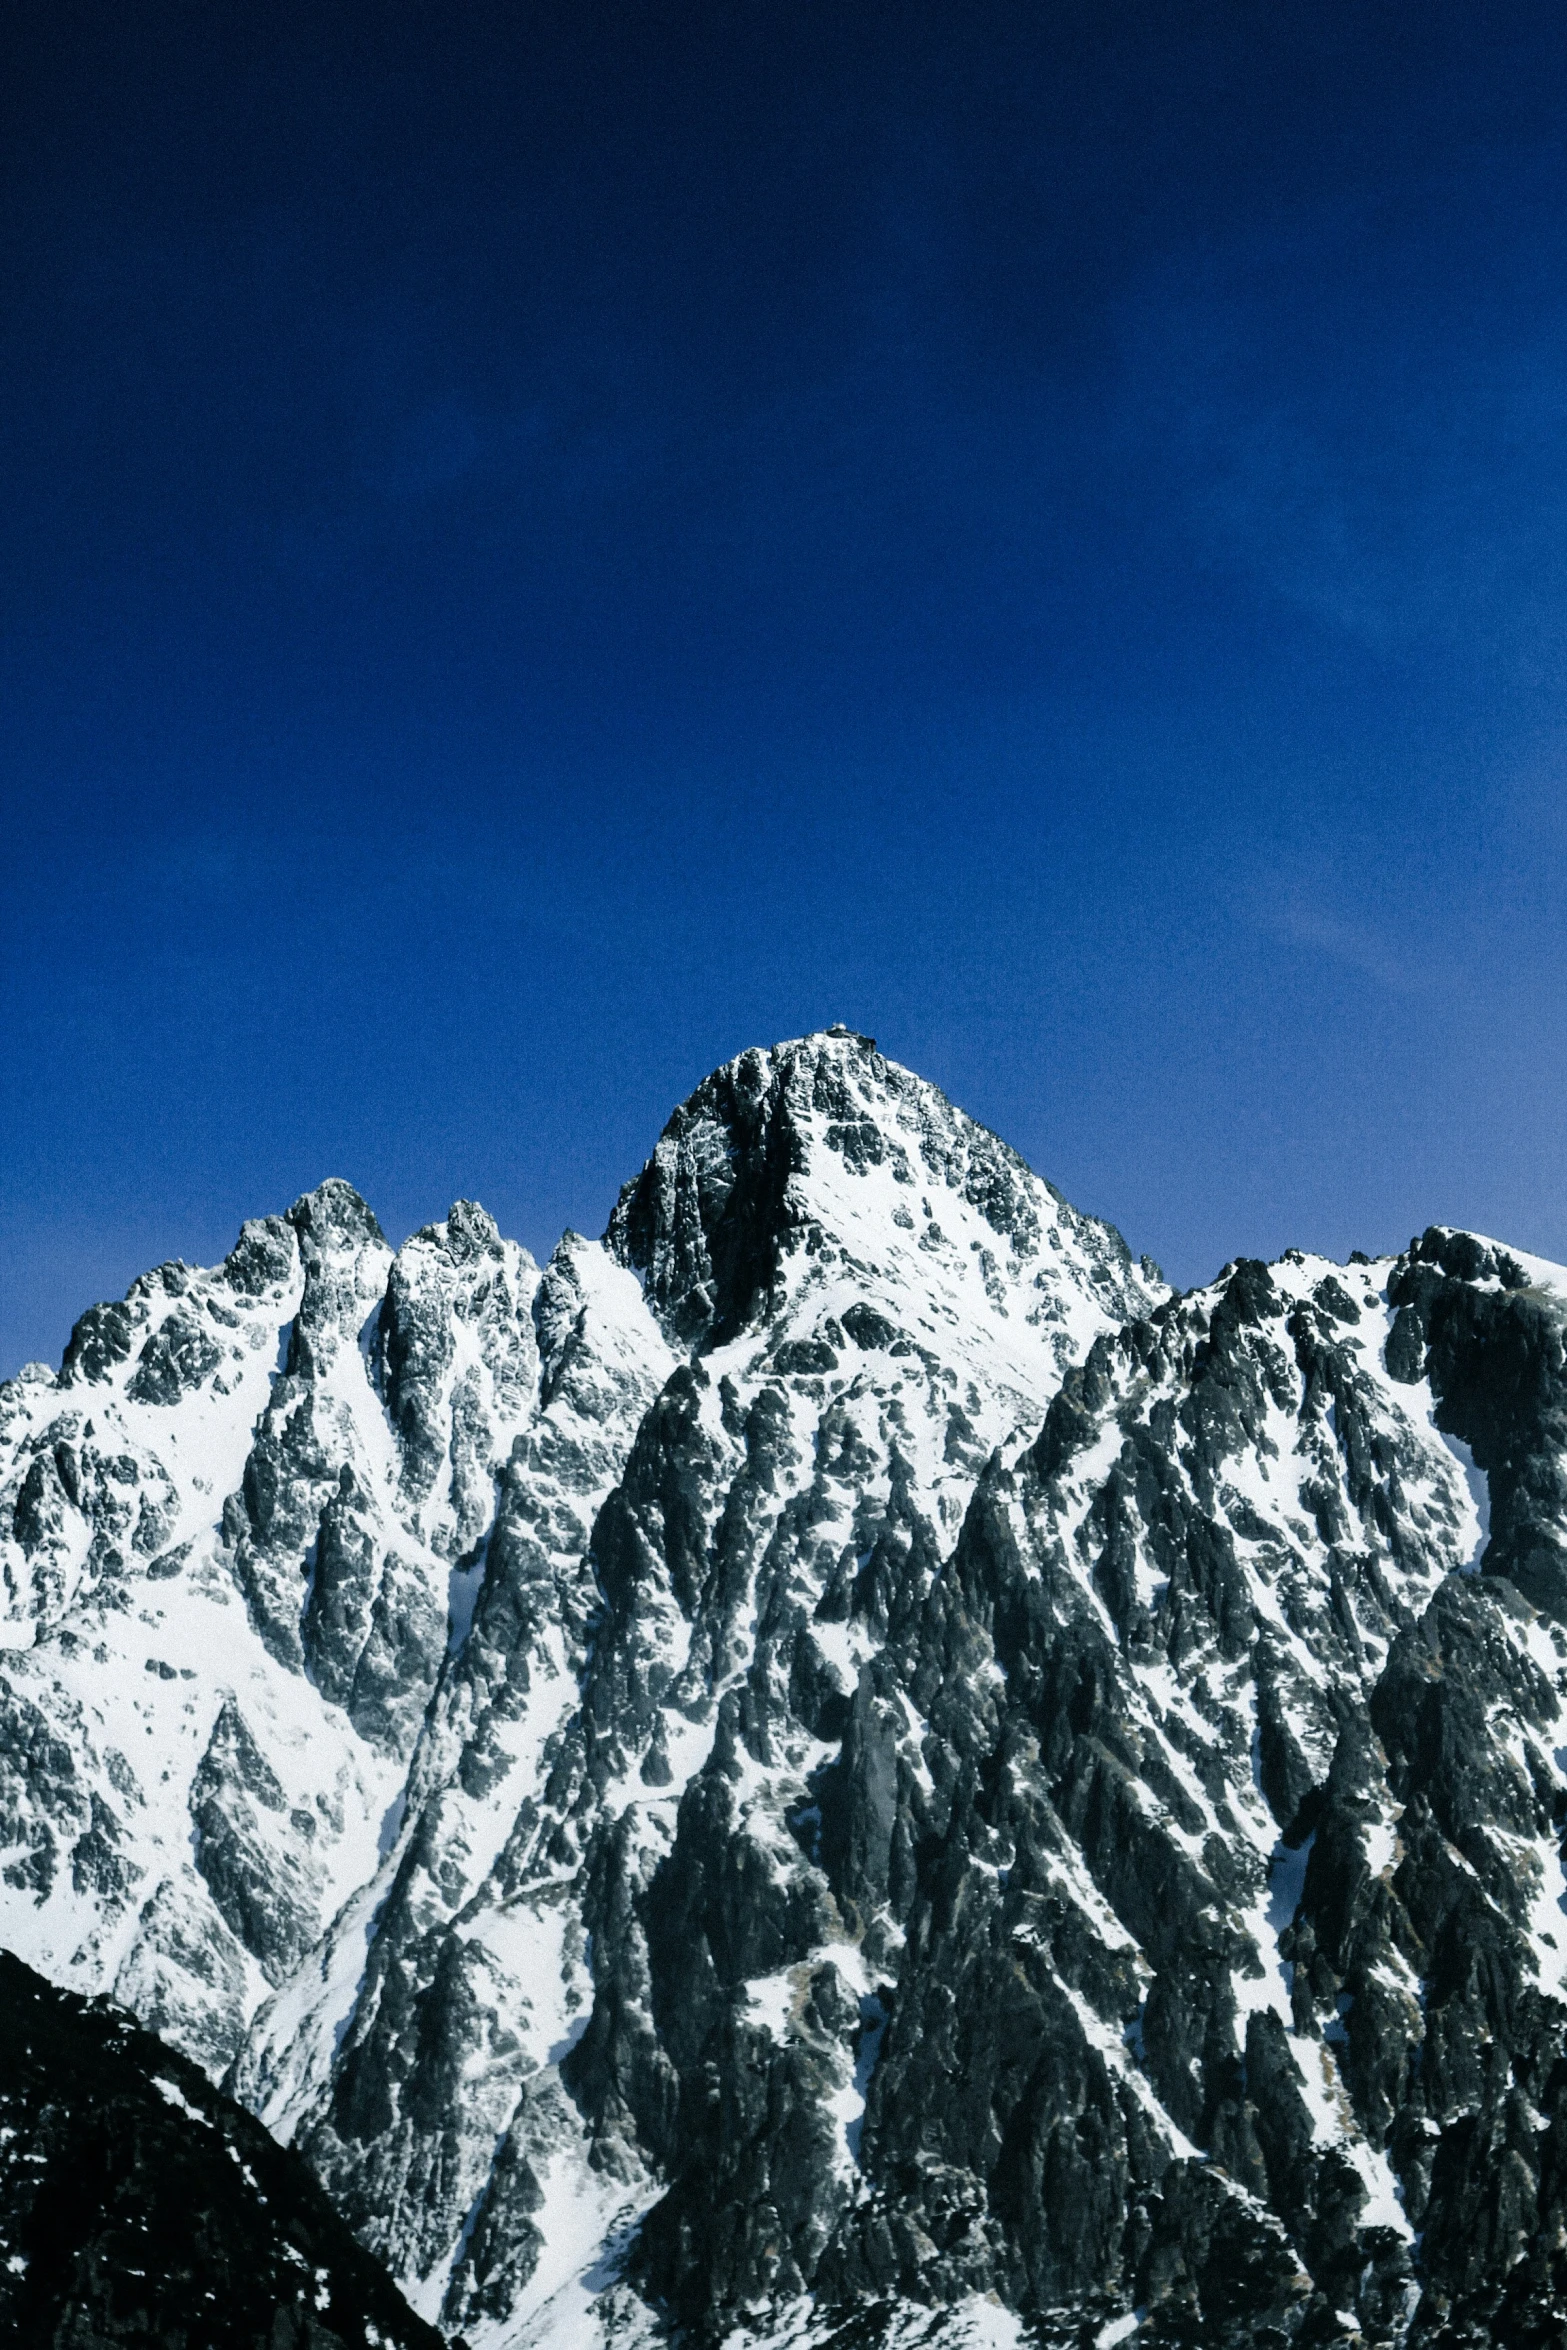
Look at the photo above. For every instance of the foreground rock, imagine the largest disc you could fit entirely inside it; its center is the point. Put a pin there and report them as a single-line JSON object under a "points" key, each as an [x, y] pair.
{"points": [[137, 2205]]}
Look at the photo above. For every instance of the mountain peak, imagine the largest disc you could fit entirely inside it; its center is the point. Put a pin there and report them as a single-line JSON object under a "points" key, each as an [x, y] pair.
{"points": [[335, 1215], [822, 1139]]}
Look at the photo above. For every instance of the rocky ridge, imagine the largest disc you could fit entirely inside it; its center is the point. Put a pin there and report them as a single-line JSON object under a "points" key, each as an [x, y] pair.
{"points": [[841, 1754]]}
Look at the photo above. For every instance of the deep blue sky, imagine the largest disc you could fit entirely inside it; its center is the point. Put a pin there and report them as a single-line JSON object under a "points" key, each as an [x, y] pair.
{"points": [[542, 545]]}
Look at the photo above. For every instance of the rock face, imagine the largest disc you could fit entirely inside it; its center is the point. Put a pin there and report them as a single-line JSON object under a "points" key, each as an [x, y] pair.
{"points": [[236, 1518], [848, 1295], [840, 1754], [138, 2205]]}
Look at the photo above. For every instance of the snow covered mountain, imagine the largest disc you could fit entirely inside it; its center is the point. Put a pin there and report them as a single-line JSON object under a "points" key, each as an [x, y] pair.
{"points": [[839, 1753]]}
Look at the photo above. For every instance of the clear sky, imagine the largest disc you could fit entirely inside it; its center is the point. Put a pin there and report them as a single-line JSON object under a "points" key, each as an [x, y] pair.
{"points": [[542, 545]]}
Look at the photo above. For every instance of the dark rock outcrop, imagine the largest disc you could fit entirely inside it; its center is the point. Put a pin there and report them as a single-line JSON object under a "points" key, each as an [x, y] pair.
{"points": [[138, 2205]]}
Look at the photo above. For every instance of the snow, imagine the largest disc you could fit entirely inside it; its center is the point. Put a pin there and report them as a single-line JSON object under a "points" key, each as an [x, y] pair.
{"points": [[845, 1647], [579, 2228], [1540, 1271], [589, 2307], [1112, 2046], [774, 1997], [1316, 2068], [181, 2103], [975, 2322], [1478, 1485], [1382, 1847]]}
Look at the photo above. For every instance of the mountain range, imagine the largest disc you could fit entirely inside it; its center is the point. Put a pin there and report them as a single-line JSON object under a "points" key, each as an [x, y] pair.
{"points": [[840, 1764]]}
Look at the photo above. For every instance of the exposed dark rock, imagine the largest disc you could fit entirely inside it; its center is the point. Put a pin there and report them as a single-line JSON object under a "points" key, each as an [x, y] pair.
{"points": [[138, 2205], [180, 1354], [267, 1899]]}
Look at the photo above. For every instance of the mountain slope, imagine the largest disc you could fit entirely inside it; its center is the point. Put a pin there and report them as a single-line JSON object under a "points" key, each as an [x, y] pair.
{"points": [[364, 1611], [243, 1521], [1237, 1910], [863, 1293], [838, 1758], [1224, 1990]]}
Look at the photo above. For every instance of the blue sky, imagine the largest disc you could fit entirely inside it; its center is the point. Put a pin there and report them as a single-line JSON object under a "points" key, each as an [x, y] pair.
{"points": [[544, 546]]}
